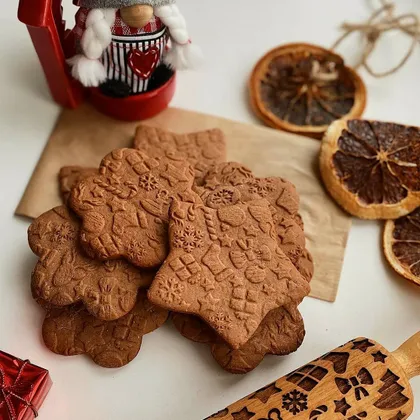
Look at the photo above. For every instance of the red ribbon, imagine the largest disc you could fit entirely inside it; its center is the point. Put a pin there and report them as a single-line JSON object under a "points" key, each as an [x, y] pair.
{"points": [[18, 390]]}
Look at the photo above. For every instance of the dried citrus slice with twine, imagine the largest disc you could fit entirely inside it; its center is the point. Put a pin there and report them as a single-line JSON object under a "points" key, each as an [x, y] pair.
{"points": [[402, 245], [372, 168], [303, 88]]}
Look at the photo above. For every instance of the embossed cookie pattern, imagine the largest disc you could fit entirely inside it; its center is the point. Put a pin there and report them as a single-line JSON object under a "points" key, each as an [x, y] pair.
{"points": [[73, 331], [201, 150], [280, 333], [125, 208], [225, 265], [64, 275]]}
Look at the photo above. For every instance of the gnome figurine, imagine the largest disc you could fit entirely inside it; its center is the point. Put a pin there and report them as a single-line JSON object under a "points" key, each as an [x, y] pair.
{"points": [[128, 47]]}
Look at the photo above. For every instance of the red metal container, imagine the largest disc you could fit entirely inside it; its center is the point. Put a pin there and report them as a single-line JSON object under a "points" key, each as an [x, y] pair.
{"points": [[137, 107], [54, 44]]}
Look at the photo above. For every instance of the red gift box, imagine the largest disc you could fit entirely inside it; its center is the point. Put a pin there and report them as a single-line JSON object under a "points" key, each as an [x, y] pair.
{"points": [[23, 388]]}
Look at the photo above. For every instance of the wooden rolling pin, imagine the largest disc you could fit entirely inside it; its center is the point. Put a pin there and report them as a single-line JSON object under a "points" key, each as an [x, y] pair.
{"points": [[358, 381]]}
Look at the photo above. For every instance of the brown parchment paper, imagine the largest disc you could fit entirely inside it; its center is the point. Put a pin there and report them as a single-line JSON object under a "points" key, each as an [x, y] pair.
{"points": [[84, 136]]}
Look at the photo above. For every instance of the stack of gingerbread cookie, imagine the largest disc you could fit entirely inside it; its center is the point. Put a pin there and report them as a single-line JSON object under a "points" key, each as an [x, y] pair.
{"points": [[169, 226]]}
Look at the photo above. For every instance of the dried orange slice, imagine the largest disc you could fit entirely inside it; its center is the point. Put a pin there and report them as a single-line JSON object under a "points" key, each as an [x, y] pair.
{"points": [[372, 168], [303, 88], [402, 245]]}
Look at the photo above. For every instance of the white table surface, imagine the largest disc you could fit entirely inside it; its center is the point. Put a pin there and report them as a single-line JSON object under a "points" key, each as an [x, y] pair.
{"points": [[173, 378]]}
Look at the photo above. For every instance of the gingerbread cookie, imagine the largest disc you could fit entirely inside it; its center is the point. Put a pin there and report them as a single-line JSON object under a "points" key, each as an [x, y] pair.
{"points": [[298, 219], [42, 302], [281, 194], [125, 208], [290, 234], [228, 173], [305, 265], [73, 331], [225, 265], [290, 237], [69, 176], [194, 328], [202, 149], [64, 275], [280, 333], [237, 180], [233, 178]]}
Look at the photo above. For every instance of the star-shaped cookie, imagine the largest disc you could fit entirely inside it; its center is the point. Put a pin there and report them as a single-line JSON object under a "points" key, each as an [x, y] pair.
{"points": [[202, 149], [236, 302], [280, 333]]}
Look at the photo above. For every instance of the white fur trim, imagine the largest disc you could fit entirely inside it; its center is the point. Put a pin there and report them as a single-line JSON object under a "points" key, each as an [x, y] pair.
{"points": [[182, 55], [96, 38], [90, 73]]}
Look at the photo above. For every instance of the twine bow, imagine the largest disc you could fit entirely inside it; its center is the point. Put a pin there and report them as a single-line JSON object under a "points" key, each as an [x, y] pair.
{"points": [[19, 389], [356, 382], [383, 20]]}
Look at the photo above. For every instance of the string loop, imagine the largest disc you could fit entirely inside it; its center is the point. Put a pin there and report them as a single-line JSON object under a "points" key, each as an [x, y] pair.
{"points": [[382, 21]]}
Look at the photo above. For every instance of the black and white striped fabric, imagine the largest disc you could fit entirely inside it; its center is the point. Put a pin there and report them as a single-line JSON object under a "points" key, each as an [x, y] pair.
{"points": [[116, 62]]}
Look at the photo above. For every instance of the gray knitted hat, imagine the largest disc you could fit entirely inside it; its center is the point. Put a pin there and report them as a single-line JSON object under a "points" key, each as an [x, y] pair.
{"points": [[118, 4]]}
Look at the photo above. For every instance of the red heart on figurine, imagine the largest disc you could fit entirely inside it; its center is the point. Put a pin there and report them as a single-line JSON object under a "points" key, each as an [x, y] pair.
{"points": [[143, 63]]}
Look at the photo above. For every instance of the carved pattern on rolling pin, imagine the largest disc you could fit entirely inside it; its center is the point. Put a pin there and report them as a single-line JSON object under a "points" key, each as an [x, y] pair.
{"points": [[358, 381]]}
